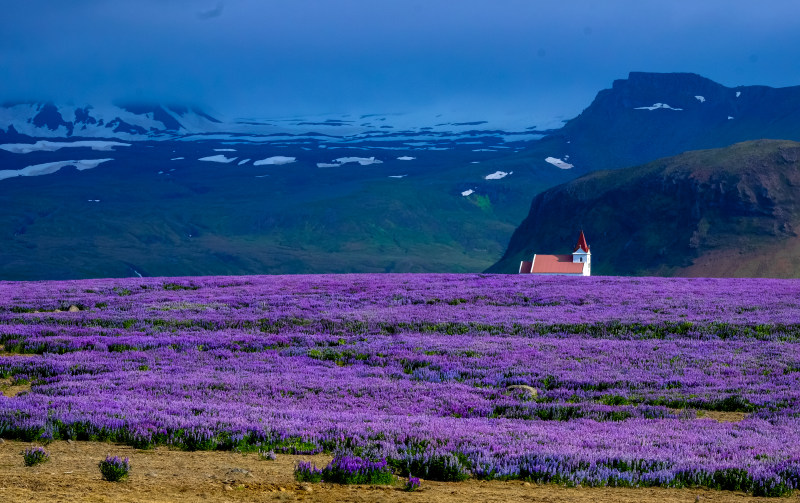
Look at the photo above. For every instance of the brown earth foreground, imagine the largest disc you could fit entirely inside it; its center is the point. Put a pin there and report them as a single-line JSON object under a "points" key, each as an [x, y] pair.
{"points": [[164, 475]]}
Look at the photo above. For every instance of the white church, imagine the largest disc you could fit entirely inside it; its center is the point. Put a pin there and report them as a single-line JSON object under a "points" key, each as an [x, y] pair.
{"points": [[577, 264]]}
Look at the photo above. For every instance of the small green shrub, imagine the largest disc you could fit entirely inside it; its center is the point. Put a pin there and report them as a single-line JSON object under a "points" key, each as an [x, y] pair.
{"points": [[115, 469], [350, 469], [412, 484], [445, 467], [35, 456], [306, 471]]}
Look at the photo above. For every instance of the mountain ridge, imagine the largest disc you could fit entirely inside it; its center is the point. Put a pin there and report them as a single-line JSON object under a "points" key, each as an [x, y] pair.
{"points": [[129, 121], [623, 126]]}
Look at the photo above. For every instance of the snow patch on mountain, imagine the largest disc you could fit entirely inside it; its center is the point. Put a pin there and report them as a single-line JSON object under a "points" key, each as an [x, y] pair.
{"points": [[497, 175], [52, 146], [363, 161], [559, 163], [656, 106], [51, 167], [275, 160], [218, 158]]}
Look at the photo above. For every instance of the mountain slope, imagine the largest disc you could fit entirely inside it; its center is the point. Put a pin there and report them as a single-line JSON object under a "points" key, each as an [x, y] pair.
{"points": [[653, 115], [143, 212], [732, 211]]}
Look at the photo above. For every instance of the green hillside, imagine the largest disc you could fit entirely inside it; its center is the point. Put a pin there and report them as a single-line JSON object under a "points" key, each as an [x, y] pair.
{"points": [[722, 212]]}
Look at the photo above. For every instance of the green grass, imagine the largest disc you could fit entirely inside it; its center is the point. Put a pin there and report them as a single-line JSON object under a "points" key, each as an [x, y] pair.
{"points": [[206, 220]]}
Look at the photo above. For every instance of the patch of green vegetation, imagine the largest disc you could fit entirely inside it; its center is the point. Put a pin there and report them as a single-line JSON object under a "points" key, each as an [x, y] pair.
{"points": [[614, 400], [731, 403], [294, 445], [20, 309], [177, 286], [444, 467], [483, 202], [409, 366], [340, 357]]}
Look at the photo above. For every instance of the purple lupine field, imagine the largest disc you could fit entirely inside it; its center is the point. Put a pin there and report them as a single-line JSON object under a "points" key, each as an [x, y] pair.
{"points": [[591, 381]]}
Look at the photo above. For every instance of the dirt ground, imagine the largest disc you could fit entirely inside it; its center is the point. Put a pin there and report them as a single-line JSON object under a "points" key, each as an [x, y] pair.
{"points": [[10, 390], [164, 475]]}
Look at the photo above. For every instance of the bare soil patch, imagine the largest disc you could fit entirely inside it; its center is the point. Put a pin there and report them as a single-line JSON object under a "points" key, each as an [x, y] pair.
{"points": [[8, 389], [165, 475], [721, 416]]}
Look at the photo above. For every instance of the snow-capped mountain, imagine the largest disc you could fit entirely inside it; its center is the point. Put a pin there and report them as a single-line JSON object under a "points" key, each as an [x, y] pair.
{"points": [[128, 121], [133, 122]]}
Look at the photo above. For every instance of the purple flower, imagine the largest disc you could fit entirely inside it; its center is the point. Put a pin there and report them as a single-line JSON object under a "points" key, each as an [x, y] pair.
{"points": [[114, 469], [35, 455], [617, 382]]}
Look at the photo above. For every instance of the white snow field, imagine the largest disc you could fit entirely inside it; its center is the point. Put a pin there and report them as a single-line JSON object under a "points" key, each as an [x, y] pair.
{"points": [[51, 167], [52, 146], [656, 106], [497, 175], [218, 158], [559, 163], [276, 160], [364, 161]]}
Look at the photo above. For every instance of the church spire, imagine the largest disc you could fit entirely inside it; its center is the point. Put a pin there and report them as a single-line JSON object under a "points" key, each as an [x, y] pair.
{"points": [[581, 243]]}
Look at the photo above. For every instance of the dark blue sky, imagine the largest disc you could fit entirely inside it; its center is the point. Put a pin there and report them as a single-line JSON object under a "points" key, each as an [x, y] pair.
{"points": [[284, 57]]}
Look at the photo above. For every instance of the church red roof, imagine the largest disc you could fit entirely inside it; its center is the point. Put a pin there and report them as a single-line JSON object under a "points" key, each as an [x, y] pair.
{"points": [[581, 244], [556, 264]]}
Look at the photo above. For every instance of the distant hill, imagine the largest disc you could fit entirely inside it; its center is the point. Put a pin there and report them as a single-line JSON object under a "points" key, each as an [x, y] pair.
{"points": [[653, 115], [732, 211]]}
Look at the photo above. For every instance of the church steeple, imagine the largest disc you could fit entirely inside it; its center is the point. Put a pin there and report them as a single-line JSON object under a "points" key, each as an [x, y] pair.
{"points": [[581, 244], [582, 254]]}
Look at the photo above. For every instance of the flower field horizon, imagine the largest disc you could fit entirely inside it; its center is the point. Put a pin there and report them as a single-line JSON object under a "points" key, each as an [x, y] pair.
{"points": [[591, 381]]}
